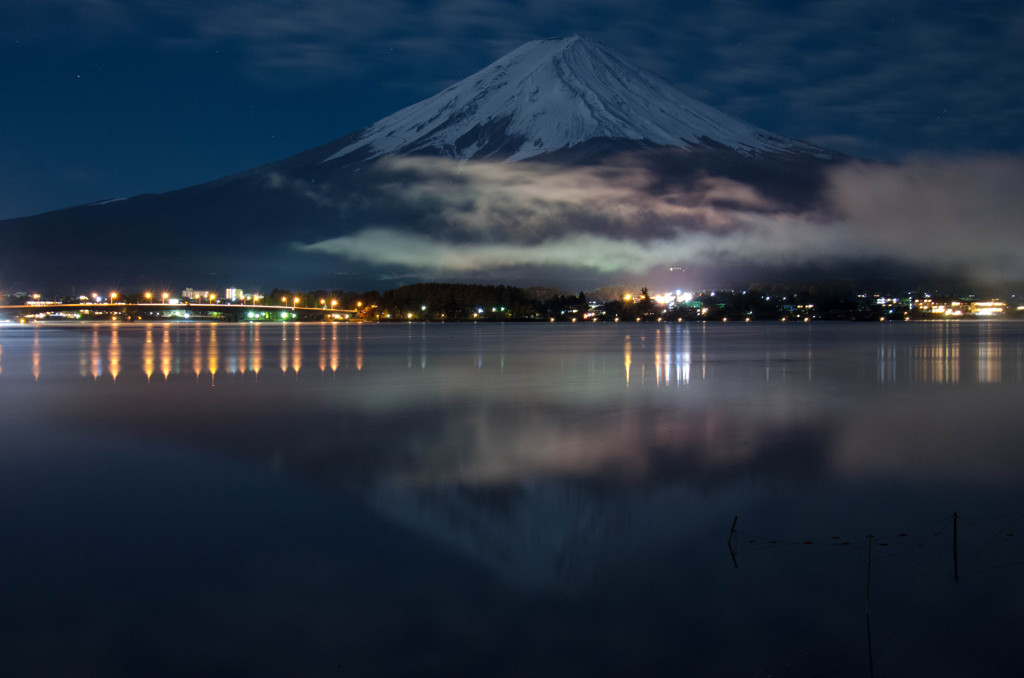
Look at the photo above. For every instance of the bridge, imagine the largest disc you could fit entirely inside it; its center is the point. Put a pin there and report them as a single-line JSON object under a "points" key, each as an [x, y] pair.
{"points": [[175, 311]]}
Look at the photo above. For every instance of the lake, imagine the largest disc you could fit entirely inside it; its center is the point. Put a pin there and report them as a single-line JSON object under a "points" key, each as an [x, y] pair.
{"points": [[511, 500]]}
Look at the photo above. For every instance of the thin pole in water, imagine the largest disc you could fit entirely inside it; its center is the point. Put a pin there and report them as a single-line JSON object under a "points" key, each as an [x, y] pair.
{"points": [[867, 612], [956, 562], [732, 553]]}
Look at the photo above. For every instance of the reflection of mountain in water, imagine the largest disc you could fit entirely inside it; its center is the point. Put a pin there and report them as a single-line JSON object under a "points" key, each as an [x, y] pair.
{"points": [[544, 535], [610, 507]]}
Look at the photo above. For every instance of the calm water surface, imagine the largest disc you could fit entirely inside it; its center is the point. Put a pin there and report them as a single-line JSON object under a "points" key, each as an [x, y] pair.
{"points": [[511, 500]]}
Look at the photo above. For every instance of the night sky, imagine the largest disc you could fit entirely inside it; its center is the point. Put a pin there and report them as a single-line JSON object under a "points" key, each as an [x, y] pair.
{"points": [[111, 99]]}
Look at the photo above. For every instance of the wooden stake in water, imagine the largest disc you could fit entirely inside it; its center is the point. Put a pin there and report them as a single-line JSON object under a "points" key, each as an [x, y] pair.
{"points": [[732, 553], [867, 612], [956, 563]]}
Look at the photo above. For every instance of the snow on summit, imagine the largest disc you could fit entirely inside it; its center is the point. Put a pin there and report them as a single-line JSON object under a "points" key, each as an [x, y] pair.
{"points": [[554, 94]]}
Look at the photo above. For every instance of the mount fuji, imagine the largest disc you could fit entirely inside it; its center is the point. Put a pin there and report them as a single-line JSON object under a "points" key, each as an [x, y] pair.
{"points": [[554, 95], [549, 105]]}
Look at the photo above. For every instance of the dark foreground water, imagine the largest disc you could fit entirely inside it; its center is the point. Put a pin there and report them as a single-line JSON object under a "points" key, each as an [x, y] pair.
{"points": [[512, 500]]}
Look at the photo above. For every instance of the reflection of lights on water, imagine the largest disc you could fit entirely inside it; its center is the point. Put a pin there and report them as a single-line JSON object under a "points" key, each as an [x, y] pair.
{"points": [[114, 352], [683, 357], [947, 352], [990, 358], [423, 347], [334, 347], [672, 355], [886, 364], [255, 350], [359, 348], [237, 358], [165, 353], [322, 354], [283, 354], [197, 354], [212, 354], [989, 361], [660, 359], [147, 353], [628, 357], [297, 350], [36, 357], [938, 360], [95, 360]]}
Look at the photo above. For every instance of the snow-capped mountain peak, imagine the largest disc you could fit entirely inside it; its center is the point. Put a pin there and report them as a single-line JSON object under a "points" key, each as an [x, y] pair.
{"points": [[554, 94]]}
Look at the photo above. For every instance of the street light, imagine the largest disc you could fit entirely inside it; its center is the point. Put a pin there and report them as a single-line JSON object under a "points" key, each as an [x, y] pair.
{"points": [[166, 296], [295, 301], [149, 296]]}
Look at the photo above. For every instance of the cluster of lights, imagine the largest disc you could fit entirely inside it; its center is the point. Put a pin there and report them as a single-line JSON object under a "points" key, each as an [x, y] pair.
{"points": [[669, 299], [672, 298], [957, 309]]}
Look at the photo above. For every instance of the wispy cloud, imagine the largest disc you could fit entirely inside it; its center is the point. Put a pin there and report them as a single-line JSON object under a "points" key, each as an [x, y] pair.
{"points": [[954, 216], [524, 201], [606, 219], [762, 240]]}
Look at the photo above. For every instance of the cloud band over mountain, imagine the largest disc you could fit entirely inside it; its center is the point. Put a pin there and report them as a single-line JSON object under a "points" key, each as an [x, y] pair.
{"points": [[959, 215]]}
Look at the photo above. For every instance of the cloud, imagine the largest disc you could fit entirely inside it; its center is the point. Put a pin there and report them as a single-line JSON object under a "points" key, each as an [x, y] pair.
{"points": [[321, 195], [961, 214], [314, 37], [780, 241], [490, 215], [957, 216], [524, 201]]}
